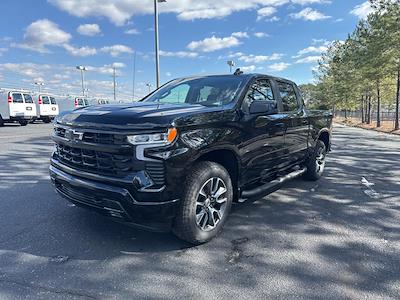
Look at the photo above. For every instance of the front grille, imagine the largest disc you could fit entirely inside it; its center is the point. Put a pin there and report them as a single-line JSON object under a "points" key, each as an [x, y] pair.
{"points": [[94, 137], [95, 161]]}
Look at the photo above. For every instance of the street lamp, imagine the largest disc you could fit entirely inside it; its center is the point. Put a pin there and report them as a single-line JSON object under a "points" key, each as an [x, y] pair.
{"points": [[157, 40], [231, 64], [82, 69], [39, 84], [149, 86]]}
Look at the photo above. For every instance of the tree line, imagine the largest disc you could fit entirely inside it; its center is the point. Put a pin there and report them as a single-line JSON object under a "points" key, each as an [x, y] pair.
{"points": [[363, 72]]}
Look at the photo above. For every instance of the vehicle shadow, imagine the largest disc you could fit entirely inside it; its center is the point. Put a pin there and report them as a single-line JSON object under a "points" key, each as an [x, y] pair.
{"points": [[328, 238]]}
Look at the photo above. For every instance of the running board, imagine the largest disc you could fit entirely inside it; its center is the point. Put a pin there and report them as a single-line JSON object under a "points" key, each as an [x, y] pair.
{"points": [[269, 187]]}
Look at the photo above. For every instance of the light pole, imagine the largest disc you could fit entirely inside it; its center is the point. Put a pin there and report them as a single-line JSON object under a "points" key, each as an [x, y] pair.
{"points": [[157, 41], [39, 84], [231, 64], [82, 69], [149, 86], [114, 75]]}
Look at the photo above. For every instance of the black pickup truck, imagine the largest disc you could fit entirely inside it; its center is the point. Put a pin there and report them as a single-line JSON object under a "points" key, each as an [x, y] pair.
{"points": [[180, 157]]}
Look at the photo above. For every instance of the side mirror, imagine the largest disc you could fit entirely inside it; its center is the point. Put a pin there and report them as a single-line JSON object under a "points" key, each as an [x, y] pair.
{"points": [[266, 107]]}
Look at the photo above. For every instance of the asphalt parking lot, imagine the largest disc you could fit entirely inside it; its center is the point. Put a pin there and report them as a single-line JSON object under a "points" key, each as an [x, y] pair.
{"points": [[338, 238]]}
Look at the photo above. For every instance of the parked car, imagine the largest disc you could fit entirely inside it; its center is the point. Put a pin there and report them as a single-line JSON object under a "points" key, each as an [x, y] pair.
{"points": [[71, 103], [16, 106], [179, 158], [47, 107]]}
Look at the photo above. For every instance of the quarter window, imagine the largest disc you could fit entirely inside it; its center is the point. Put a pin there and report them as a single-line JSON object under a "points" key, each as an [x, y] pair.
{"points": [[288, 96]]}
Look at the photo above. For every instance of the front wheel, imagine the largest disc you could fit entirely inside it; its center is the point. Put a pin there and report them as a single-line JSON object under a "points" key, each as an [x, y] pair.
{"points": [[316, 162], [23, 122], [205, 204]]}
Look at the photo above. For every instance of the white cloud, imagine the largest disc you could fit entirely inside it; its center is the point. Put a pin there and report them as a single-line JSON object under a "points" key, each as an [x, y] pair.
{"points": [[266, 12], [309, 14], [248, 69], [306, 2], [168, 74], [311, 49], [82, 51], [261, 34], [120, 12], [214, 43], [180, 54], [278, 67], [132, 31], [89, 29], [362, 10], [117, 50], [43, 33], [240, 34], [308, 60], [257, 59]]}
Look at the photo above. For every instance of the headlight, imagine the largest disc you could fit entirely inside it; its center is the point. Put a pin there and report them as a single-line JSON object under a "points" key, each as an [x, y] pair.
{"points": [[165, 138]]}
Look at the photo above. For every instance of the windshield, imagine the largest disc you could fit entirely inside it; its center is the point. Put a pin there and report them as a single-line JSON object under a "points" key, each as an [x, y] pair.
{"points": [[207, 91]]}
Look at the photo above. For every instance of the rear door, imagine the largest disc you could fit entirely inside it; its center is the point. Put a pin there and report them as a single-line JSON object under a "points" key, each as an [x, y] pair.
{"points": [[30, 106], [53, 106], [45, 109], [296, 120], [263, 149], [16, 104]]}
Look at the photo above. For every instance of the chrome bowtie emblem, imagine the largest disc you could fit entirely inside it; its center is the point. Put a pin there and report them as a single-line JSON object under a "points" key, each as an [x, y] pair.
{"points": [[73, 135]]}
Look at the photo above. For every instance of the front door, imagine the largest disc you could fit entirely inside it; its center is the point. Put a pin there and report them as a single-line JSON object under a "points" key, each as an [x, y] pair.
{"points": [[263, 146]]}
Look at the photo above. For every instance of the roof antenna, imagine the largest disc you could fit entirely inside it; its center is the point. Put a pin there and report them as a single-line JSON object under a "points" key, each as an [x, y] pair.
{"points": [[238, 72]]}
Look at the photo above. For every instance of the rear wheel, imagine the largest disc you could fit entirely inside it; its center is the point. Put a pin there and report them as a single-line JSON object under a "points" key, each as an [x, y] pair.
{"points": [[23, 122], [1, 121], [205, 204], [46, 120], [316, 162]]}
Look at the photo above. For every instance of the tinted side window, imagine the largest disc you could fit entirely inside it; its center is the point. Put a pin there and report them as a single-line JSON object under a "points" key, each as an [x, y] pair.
{"points": [[53, 100], [261, 90], [288, 96], [17, 98]]}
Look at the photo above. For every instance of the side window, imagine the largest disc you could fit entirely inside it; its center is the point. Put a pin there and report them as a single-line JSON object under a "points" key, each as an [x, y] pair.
{"points": [[288, 96], [53, 100], [261, 90], [177, 95], [17, 98]]}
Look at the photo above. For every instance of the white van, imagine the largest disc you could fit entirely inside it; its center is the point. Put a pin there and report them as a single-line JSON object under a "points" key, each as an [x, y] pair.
{"points": [[16, 106], [47, 107], [72, 103]]}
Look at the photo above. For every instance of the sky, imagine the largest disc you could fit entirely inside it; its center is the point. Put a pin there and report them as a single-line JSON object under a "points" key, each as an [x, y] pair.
{"points": [[44, 40]]}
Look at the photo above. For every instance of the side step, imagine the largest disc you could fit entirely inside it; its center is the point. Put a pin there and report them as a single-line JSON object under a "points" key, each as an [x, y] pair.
{"points": [[270, 186]]}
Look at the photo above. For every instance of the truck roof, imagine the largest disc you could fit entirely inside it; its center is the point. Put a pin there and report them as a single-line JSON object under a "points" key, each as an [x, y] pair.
{"points": [[247, 76]]}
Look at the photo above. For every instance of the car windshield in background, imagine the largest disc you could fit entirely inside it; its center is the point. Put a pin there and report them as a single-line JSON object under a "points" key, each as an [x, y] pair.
{"points": [[207, 91], [17, 98], [28, 98]]}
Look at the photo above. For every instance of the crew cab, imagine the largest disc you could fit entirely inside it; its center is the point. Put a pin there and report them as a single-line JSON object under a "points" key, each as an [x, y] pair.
{"points": [[181, 156]]}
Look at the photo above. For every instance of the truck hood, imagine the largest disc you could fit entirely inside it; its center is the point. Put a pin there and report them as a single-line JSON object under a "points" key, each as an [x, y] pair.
{"points": [[140, 115]]}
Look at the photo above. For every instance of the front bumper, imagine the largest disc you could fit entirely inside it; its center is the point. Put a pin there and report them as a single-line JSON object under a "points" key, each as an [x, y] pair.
{"points": [[114, 201]]}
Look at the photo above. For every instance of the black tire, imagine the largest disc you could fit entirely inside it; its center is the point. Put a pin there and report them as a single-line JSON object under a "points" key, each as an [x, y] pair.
{"points": [[23, 122], [1, 122], [204, 175], [46, 120], [316, 162]]}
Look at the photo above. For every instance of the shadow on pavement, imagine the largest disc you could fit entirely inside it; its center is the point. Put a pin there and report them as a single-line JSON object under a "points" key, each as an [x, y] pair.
{"points": [[309, 240]]}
